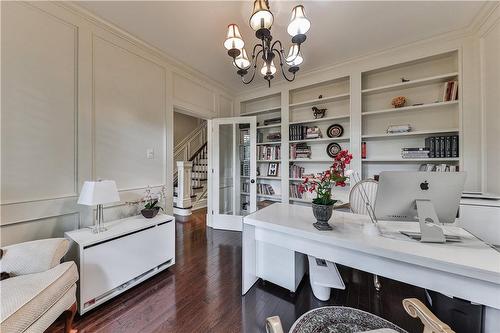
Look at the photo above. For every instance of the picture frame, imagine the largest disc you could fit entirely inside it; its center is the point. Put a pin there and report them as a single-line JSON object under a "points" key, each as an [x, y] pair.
{"points": [[272, 169]]}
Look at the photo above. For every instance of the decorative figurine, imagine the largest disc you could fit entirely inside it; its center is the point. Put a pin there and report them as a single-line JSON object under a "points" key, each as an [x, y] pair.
{"points": [[318, 113], [403, 80], [399, 102], [320, 96]]}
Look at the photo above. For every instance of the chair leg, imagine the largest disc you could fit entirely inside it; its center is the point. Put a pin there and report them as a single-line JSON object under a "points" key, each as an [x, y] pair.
{"points": [[376, 283], [70, 315]]}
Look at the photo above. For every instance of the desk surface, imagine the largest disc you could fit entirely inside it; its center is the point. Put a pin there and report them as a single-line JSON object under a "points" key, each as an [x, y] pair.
{"points": [[471, 257]]}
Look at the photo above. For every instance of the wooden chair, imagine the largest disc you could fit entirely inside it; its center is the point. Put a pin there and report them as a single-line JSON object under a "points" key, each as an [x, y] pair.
{"points": [[358, 206], [413, 307]]}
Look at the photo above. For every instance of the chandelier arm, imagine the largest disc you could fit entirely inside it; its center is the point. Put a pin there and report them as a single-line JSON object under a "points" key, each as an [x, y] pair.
{"points": [[255, 47], [278, 42], [254, 59], [281, 66]]}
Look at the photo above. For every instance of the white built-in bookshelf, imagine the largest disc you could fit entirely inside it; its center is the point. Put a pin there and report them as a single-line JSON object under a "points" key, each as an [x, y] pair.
{"points": [[425, 111]]}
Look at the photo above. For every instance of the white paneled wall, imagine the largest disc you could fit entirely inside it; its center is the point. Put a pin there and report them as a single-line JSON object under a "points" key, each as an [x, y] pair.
{"points": [[83, 100]]}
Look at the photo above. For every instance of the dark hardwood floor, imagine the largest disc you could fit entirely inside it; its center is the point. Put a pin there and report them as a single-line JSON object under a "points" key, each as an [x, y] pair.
{"points": [[202, 293]]}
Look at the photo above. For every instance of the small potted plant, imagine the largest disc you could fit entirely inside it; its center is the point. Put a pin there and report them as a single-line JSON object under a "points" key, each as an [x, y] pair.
{"points": [[150, 200], [322, 184]]}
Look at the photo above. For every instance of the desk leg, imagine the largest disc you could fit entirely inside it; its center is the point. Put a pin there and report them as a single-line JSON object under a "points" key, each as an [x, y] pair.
{"points": [[491, 320], [249, 258]]}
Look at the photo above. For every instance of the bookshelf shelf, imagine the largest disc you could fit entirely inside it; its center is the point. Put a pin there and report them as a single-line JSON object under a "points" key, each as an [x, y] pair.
{"points": [[269, 143], [414, 133], [427, 106], [320, 100], [320, 120], [296, 179], [267, 161], [409, 160], [264, 177], [311, 160], [267, 110], [411, 84], [269, 126], [339, 139]]}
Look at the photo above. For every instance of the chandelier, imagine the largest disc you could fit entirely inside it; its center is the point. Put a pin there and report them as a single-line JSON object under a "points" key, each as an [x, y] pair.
{"points": [[261, 21]]}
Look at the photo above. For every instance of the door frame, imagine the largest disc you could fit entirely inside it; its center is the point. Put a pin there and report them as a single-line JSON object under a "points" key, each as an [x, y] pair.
{"points": [[226, 221]]}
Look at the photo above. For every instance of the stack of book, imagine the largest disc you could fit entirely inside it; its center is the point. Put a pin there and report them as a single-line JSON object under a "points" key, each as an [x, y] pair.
{"points": [[296, 171], [294, 191], [300, 150], [265, 189], [245, 187], [313, 133], [268, 152], [245, 137], [450, 91], [245, 168], [276, 136], [442, 146], [272, 121], [414, 153], [301, 132]]}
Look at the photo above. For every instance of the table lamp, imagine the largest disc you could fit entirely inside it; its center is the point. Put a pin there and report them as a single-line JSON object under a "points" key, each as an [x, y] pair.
{"points": [[98, 193]]}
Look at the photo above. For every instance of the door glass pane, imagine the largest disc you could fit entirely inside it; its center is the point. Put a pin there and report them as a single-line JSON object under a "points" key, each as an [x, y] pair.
{"points": [[244, 172], [226, 158]]}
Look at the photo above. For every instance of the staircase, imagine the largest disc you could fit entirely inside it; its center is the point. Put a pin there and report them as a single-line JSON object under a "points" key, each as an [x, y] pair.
{"points": [[190, 178]]}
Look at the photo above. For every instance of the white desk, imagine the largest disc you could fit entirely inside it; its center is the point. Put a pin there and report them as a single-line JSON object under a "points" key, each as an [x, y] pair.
{"points": [[469, 270]]}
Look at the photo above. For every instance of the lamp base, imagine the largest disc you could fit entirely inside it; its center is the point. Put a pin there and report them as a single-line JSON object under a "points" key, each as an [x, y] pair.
{"points": [[98, 229]]}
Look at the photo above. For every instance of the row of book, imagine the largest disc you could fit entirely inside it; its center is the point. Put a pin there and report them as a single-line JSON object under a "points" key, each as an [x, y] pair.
{"points": [[265, 189], [443, 167], [301, 132], [300, 150], [450, 91], [442, 146], [272, 137], [268, 152], [409, 153], [294, 191], [296, 171]]}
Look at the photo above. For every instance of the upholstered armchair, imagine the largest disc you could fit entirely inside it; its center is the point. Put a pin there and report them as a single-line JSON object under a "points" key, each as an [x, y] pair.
{"points": [[350, 319], [39, 288]]}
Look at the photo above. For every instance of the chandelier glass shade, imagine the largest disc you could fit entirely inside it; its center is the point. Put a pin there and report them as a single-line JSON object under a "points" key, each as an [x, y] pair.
{"points": [[266, 49]]}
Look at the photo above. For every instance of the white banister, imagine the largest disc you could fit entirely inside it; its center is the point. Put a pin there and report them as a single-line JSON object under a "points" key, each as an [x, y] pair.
{"points": [[184, 170]]}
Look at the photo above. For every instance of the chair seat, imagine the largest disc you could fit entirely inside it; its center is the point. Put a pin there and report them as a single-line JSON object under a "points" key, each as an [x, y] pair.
{"points": [[339, 319], [26, 298]]}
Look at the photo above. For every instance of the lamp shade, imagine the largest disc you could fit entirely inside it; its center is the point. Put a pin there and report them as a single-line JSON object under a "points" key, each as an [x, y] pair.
{"points": [[261, 18], [242, 60], [299, 24], [294, 57], [233, 38], [268, 70], [98, 193]]}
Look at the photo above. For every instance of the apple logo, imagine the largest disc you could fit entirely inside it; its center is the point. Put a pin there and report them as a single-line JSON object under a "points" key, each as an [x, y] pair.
{"points": [[424, 186]]}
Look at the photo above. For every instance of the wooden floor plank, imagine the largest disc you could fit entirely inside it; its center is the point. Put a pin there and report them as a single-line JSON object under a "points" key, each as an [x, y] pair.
{"points": [[201, 293]]}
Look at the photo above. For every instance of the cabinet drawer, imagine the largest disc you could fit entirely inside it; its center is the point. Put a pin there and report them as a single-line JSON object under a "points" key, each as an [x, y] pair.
{"points": [[110, 264]]}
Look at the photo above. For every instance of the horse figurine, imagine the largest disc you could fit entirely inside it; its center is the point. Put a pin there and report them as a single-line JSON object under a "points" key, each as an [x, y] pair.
{"points": [[318, 113]]}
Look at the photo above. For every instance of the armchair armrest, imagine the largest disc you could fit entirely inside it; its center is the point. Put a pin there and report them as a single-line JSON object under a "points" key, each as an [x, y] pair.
{"points": [[273, 325], [432, 324], [33, 257]]}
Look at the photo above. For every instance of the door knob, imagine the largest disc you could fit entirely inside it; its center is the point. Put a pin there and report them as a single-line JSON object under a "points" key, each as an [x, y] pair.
{"points": [[252, 181]]}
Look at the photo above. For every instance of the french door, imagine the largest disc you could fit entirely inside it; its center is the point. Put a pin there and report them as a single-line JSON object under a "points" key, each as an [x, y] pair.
{"points": [[234, 159]]}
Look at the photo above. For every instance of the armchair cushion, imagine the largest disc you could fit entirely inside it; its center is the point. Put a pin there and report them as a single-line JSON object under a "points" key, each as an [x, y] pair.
{"points": [[26, 298], [33, 257]]}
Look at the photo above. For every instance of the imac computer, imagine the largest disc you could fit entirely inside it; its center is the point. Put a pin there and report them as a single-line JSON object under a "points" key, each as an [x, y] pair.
{"points": [[431, 198]]}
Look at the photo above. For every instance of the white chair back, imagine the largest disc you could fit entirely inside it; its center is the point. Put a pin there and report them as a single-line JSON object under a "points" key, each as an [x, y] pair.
{"points": [[356, 202]]}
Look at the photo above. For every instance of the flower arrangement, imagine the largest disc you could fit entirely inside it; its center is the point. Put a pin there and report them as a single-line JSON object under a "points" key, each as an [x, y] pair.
{"points": [[322, 183], [150, 201]]}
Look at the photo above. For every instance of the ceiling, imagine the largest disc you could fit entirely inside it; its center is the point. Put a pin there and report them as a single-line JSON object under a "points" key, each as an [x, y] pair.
{"points": [[193, 31]]}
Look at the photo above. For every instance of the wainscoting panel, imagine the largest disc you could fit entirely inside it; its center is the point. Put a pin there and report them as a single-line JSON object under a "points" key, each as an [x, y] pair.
{"points": [[129, 117], [39, 229], [191, 95], [39, 98]]}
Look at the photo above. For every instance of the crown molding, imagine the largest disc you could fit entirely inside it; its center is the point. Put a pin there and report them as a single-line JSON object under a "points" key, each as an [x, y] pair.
{"points": [[469, 31], [175, 64]]}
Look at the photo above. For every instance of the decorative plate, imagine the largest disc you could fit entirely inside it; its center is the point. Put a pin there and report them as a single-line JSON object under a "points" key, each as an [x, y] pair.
{"points": [[333, 149], [334, 131]]}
